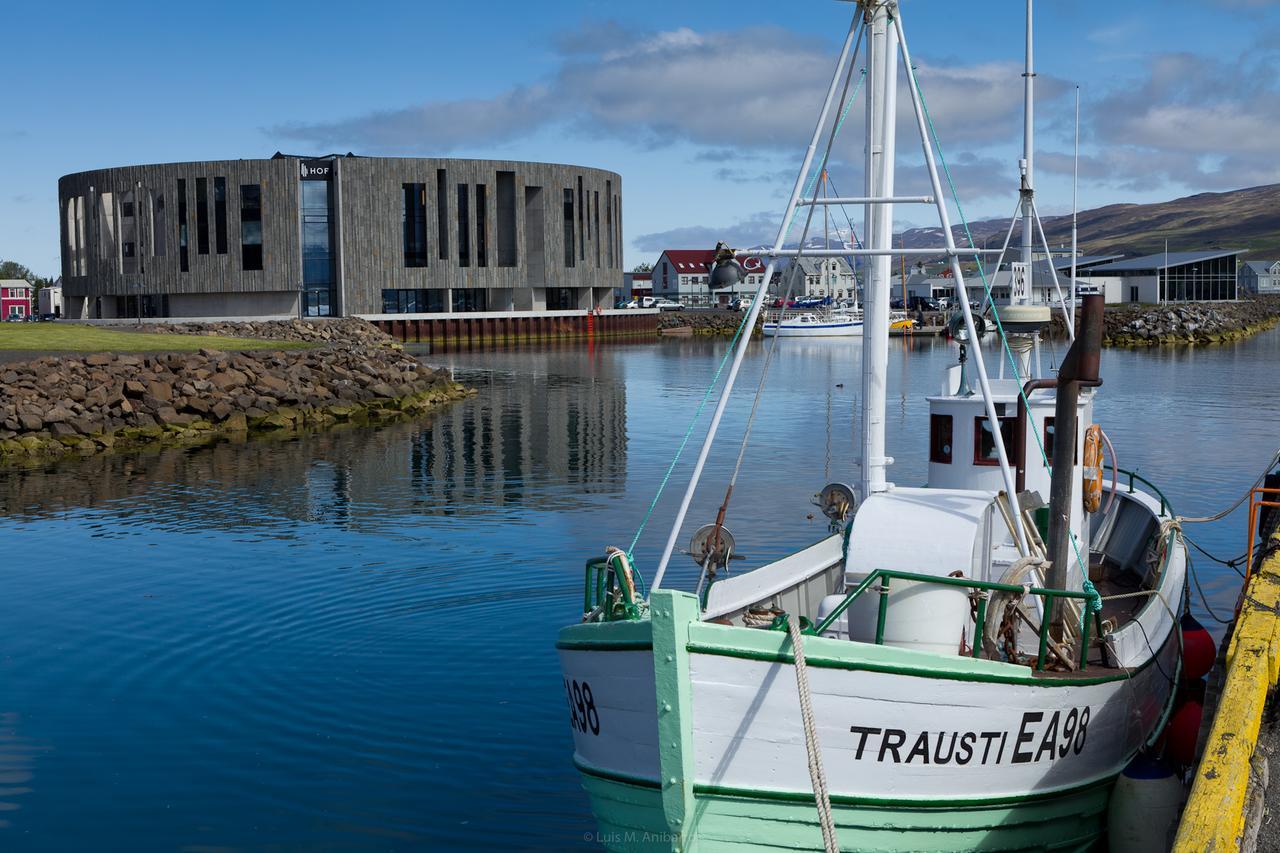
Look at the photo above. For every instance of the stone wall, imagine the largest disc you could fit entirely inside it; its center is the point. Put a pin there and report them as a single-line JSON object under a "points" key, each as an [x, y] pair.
{"points": [[713, 322], [84, 404]]}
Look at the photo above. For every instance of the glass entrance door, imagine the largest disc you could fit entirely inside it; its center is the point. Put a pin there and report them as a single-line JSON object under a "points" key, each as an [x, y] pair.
{"points": [[318, 280]]}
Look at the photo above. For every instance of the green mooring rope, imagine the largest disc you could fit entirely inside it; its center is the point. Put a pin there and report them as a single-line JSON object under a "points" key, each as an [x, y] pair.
{"points": [[1093, 604]]}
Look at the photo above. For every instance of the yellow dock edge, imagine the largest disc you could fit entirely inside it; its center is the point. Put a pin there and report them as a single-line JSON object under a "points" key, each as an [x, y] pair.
{"points": [[1214, 818]]}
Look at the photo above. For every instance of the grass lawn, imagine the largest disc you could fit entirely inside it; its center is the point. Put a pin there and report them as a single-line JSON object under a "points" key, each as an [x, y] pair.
{"points": [[66, 337]]}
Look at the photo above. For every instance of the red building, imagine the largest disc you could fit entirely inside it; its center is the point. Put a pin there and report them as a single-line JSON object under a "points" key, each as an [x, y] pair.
{"points": [[15, 298]]}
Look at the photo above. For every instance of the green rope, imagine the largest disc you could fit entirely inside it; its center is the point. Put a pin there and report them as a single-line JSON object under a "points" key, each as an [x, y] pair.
{"points": [[685, 441], [1094, 600]]}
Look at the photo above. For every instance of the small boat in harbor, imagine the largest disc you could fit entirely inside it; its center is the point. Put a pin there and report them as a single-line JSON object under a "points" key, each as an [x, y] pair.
{"points": [[809, 324], [968, 664]]}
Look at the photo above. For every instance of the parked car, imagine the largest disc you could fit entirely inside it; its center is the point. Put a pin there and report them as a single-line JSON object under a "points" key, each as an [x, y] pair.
{"points": [[923, 303], [664, 304], [742, 303], [895, 304]]}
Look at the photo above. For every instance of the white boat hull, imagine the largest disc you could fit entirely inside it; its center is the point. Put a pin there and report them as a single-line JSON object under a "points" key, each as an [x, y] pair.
{"points": [[835, 329]]}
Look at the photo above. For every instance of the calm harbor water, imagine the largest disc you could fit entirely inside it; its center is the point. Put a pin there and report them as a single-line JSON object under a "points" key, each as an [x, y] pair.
{"points": [[346, 640]]}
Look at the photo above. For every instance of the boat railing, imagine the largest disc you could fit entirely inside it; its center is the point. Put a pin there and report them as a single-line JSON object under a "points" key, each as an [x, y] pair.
{"points": [[982, 588], [606, 597], [1134, 476]]}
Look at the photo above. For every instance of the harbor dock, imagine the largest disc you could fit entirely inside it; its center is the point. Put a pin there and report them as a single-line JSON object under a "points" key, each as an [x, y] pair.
{"points": [[1231, 801]]}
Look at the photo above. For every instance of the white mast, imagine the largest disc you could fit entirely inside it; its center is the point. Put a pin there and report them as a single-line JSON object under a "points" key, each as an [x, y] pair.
{"points": [[1027, 165], [882, 107], [1075, 204]]}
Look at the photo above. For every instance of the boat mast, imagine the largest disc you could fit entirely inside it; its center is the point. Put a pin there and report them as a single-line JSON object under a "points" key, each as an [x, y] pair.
{"points": [[1027, 166], [882, 107], [1075, 204]]}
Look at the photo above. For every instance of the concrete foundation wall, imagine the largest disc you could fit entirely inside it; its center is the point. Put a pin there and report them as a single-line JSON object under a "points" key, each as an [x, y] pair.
{"points": [[233, 304]]}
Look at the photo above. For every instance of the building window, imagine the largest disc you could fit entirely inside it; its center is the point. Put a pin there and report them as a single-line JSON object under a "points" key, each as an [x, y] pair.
{"points": [[569, 256], [220, 215], [182, 227], [250, 227], [415, 225], [464, 226], [507, 219], [470, 300], [940, 439], [417, 301], [608, 217], [318, 281], [159, 226], [595, 212], [202, 216], [561, 299], [442, 213], [984, 445], [482, 241], [582, 218]]}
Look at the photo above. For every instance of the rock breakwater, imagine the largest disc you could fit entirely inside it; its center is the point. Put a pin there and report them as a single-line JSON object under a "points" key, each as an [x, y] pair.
{"points": [[1182, 323], [56, 405], [714, 322]]}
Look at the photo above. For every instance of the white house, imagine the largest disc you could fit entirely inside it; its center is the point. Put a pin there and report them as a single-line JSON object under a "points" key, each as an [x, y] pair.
{"points": [[1260, 277], [50, 299], [823, 277], [682, 275]]}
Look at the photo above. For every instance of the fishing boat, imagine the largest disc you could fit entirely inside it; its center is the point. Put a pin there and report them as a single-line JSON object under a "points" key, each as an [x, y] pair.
{"points": [[967, 664], [809, 324]]}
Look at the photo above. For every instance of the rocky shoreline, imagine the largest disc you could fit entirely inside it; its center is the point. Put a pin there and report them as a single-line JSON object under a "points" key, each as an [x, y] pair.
{"points": [[1183, 323], [58, 405]]}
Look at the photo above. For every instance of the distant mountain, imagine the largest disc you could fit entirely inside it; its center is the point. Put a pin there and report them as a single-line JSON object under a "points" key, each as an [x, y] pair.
{"points": [[1246, 219]]}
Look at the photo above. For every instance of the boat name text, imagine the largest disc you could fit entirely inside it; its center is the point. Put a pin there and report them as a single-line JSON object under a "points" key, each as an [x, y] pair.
{"points": [[1039, 737]]}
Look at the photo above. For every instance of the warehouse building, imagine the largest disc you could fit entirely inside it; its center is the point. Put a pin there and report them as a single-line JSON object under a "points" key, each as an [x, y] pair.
{"points": [[1206, 276], [338, 235]]}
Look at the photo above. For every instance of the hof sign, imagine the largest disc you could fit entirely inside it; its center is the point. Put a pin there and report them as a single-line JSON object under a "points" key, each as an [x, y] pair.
{"points": [[316, 170]]}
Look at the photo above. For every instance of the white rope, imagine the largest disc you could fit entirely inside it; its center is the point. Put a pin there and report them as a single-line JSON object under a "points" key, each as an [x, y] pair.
{"points": [[816, 774]]}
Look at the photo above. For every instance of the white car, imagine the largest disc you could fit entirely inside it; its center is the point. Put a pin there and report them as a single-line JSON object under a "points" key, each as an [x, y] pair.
{"points": [[664, 304]]}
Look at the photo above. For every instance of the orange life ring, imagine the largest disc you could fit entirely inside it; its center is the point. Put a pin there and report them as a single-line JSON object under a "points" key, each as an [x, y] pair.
{"points": [[1092, 493]]}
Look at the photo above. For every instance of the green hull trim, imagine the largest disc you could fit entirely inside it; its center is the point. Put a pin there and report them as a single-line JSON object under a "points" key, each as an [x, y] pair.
{"points": [[630, 817]]}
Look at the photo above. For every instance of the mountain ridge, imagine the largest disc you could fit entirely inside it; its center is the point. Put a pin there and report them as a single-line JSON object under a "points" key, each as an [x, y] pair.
{"points": [[1246, 219]]}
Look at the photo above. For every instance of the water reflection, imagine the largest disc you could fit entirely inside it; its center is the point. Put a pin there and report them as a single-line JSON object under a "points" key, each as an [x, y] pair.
{"points": [[472, 457]]}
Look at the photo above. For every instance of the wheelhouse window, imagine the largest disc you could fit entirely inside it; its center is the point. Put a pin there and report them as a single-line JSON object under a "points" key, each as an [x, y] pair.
{"points": [[984, 443], [1048, 442], [940, 439]]}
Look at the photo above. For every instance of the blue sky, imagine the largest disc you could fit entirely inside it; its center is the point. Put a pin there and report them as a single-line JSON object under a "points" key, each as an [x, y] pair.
{"points": [[703, 106]]}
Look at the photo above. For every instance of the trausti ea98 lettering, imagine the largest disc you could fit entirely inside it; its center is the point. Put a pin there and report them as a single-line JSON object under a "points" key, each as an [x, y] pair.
{"points": [[1040, 737]]}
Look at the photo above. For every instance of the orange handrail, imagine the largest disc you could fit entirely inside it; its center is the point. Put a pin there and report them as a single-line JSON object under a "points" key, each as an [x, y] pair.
{"points": [[1256, 502]]}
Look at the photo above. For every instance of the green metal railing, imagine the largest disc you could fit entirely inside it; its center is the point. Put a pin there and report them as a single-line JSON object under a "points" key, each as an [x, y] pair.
{"points": [[1133, 476], [603, 589], [884, 576]]}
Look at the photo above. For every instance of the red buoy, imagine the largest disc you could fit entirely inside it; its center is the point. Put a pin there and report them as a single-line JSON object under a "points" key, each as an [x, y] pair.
{"points": [[1198, 650], [1183, 731]]}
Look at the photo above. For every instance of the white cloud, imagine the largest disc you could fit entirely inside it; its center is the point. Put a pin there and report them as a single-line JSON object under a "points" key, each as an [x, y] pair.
{"points": [[756, 88]]}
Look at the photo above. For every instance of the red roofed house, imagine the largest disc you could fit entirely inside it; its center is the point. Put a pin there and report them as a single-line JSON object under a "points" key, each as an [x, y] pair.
{"points": [[15, 298], [681, 275]]}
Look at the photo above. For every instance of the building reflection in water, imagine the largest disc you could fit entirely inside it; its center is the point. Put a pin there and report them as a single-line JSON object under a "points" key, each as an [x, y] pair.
{"points": [[561, 429]]}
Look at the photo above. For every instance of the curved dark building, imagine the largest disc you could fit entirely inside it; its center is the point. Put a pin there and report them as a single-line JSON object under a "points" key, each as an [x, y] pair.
{"points": [[338, 235]]}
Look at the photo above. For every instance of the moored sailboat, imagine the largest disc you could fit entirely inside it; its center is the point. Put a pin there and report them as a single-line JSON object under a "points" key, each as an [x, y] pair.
{"points": [[966, 665]]}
